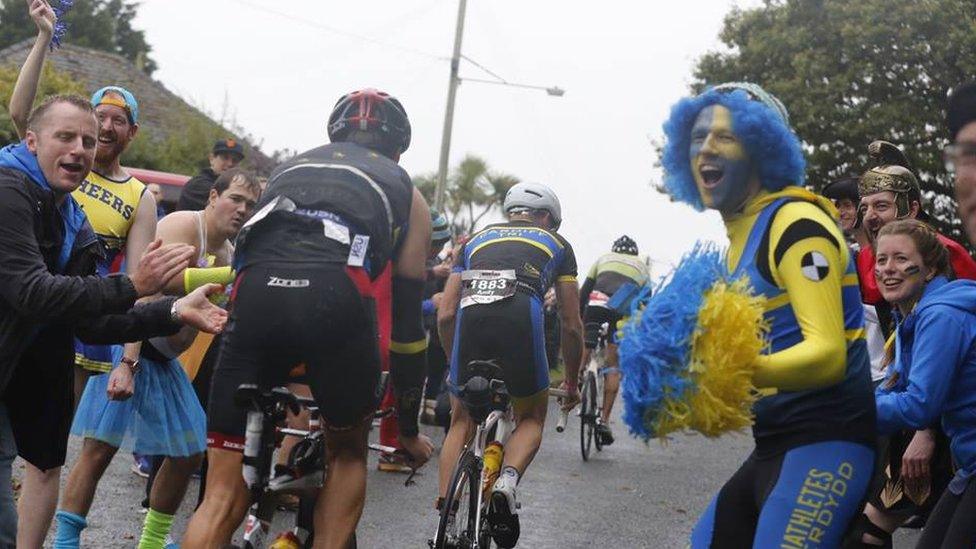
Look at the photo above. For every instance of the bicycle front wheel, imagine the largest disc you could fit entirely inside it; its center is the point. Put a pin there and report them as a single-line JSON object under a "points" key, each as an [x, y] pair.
{"points": [[459, 512]]}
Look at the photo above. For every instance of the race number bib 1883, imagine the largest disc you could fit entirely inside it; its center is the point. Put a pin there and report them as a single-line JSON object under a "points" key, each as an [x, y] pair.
{"points": [[479, 287]]}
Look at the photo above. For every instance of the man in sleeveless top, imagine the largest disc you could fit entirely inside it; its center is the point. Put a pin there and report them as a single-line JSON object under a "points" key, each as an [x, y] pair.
{"points": [[123, 216], [153, 422]]}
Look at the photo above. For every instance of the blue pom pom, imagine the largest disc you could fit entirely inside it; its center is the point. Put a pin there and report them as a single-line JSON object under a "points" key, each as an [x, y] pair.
{"points": [[654, 350], [60, 26]]}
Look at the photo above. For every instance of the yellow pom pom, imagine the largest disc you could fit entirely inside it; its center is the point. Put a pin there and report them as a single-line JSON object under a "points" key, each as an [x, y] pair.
{"points": [[728, 338]]}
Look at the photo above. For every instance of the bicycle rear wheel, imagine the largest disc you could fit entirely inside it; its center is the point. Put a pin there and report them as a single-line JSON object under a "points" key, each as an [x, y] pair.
{"points": [[459, 512], [587, 414]]}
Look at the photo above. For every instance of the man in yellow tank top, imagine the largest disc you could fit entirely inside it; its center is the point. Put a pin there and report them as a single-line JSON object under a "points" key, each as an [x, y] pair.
{"points": [[117, 205], [124, 217]]}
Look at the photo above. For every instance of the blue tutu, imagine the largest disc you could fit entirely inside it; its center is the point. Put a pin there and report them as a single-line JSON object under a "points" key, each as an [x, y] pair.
{"points": [[162, 418]]}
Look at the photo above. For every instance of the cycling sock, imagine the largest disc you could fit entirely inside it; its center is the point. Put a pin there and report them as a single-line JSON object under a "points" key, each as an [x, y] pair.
{"points": [[68, 534], [154, 530], [508, 470]]}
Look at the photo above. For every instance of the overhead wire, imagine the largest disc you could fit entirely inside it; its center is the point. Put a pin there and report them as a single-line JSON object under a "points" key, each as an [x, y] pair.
{"points": [[340, 32]]}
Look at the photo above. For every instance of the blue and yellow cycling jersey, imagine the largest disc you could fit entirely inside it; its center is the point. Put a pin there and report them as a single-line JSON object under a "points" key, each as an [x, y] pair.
{"points": [[539, 257]]}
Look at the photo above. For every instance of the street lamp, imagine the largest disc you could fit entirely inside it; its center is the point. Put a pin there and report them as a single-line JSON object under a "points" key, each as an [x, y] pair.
{"points": [[554, 91], [452, 85]]}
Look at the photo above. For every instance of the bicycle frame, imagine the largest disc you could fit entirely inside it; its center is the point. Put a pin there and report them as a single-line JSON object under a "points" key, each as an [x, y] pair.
{"points": [[262, 485], [504, 425], [598, 361]]}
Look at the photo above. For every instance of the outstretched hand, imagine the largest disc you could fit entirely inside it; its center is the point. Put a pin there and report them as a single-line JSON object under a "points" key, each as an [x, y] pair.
{"points": [[43, 16], [196, 310], [158, 265]]}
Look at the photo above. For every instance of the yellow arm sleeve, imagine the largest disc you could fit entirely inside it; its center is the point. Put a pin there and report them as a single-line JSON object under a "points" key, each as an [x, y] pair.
{"points": [[195, 277], [820, 359]]}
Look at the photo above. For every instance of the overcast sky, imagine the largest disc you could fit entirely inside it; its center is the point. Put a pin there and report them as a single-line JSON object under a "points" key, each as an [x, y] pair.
{"points": [[279, 66]]}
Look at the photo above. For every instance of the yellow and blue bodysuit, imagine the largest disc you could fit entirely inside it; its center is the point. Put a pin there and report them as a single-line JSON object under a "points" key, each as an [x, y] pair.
{"points": [[111, 209], [798, 336], [814, 421]]}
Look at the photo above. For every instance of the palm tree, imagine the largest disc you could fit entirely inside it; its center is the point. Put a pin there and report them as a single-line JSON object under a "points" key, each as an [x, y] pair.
{"points": [[473, 191]]}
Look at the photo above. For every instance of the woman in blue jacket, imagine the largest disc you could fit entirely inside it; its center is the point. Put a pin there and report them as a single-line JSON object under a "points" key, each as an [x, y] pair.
{"points": [[933, 374]]}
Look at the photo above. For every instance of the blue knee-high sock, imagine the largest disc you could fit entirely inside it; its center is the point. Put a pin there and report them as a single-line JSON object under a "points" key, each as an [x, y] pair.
{"points": [[69, 530]]}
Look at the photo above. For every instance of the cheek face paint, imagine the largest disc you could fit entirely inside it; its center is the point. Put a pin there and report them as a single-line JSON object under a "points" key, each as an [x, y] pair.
{"points": [[719, 163], [912, 270]]}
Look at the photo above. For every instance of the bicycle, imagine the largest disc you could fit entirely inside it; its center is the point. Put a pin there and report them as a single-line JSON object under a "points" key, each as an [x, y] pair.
{"points": [[463, 521], [304, 471], [591, 397]]}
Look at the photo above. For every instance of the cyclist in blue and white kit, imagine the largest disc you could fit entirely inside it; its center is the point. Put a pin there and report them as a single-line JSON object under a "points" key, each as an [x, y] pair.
{"points": [[515, 263]]}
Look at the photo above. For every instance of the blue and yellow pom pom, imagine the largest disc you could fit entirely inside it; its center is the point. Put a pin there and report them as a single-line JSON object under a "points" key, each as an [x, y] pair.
{"points": [[689, 351]]}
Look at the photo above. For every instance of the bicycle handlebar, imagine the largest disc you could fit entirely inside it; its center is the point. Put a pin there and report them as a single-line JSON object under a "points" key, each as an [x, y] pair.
{"points": [[563, 414], [561, 423]]}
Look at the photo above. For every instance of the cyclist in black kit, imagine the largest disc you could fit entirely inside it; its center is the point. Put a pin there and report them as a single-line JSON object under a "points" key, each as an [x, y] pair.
{"points": [[330, 266]]}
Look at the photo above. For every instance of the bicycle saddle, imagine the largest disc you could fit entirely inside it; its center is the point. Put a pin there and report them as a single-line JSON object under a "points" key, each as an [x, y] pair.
{"points": [[249, 395], [484, 391]]}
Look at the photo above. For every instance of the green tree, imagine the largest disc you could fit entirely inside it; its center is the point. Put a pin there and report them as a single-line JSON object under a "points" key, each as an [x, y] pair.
{"points": [[52, 82], [183, 152], [473, 191], [98, 24], [852, 72]]}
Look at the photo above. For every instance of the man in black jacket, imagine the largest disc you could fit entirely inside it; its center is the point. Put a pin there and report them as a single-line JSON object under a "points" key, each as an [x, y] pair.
{"points": [[226, 154], [47, 294]]}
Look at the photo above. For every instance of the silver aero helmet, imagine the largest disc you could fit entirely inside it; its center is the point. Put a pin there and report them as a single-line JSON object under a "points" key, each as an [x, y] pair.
{"points": [[534, 196]]}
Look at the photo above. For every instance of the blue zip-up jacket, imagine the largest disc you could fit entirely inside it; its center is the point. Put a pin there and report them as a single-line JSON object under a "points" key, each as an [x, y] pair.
{"points": [[936, 363]]}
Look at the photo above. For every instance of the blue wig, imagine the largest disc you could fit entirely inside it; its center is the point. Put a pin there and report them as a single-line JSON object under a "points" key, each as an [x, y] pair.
{"points": [[760, 123]]}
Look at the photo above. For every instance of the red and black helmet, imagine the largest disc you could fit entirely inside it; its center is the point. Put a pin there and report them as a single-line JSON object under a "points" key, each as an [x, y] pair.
{"points": [[373, 111]]}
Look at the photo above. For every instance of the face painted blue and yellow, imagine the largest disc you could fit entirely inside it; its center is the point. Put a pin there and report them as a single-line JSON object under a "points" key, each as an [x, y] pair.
{"points": [[720, 164]]}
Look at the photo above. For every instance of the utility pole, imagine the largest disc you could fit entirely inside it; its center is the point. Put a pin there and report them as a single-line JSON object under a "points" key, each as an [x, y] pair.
{"points": [[452, 86]]}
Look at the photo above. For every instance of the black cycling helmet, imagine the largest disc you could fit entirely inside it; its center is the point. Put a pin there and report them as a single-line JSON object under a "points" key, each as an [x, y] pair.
{"points": [[625, 245], [370, 110]]}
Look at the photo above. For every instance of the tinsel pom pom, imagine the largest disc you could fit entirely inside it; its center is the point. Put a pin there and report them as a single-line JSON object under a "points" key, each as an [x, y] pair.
{"points": [[60, 26], [688, 351]]}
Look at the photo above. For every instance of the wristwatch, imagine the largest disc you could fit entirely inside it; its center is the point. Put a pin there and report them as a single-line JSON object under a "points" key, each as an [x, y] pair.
{"points": [[132, 364]]}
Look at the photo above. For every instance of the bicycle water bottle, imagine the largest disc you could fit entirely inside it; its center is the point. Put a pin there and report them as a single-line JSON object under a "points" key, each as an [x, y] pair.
{"points": [[493, 464], [252, 446], [286, 540]]}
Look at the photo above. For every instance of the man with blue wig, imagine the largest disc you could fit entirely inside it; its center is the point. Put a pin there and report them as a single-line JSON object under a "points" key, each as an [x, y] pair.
{"points": [[731, 149]]}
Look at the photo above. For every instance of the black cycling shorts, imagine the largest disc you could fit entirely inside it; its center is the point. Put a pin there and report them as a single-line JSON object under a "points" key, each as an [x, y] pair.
{"points": [[593, 318], [285, 314], [511, 332]]}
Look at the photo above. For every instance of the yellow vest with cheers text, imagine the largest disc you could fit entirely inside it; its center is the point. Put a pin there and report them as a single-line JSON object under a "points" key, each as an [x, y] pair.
{"points": [[111, 208]]}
